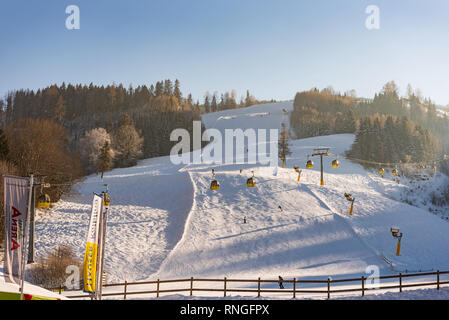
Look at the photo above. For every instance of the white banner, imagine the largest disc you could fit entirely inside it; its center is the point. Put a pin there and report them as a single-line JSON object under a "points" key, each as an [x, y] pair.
{"points": [[16, 195], [91, 254]]}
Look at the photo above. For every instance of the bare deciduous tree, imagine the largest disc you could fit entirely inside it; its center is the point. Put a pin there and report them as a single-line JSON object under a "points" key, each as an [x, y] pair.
{"points": [[90, 146], [50, 270]]}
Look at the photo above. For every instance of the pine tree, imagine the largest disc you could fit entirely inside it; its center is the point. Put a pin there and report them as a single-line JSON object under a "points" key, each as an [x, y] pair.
{"points": [[60, 110], [4, 149], [206, 104], [214, 105], [247, 99], [284, 149], [350, 122], [190, 99], [127, 143], [168, 87], [104, 159], [159, 91], [340, 123], [177, 91]]}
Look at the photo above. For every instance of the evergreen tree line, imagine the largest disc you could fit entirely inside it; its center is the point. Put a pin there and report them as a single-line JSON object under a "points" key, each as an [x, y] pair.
{"points": [[317, 113], [421, 130], [68, 103], [154, 112], [390, 139], [412, 106], [228, 100], [388, 128]]}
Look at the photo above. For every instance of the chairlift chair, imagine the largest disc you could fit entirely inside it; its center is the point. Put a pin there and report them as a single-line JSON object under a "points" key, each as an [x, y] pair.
{"points": [[335, 164], [309, 164], [44, 202], [214, 185], [251, 182]]}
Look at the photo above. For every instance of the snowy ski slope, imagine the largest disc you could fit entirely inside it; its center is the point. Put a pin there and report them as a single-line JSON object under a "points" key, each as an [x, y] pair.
{"points": [[166, 223]]}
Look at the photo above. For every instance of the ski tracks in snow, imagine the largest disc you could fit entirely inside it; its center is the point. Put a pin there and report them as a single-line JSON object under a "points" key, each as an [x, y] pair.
{"points": [[348, 224]]}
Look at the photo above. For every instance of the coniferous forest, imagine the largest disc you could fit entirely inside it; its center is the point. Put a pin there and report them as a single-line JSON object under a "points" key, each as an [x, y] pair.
{"points": [[388, 128], [62, 133], [90, 128], [317, 113]]}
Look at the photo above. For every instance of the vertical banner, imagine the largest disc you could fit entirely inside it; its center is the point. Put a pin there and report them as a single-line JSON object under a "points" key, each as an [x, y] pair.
{"points": [[16, 193], [101, 248], [90, 256]]}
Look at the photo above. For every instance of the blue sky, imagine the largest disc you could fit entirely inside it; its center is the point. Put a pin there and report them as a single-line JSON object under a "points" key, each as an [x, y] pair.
{"points": [[272, 48]]}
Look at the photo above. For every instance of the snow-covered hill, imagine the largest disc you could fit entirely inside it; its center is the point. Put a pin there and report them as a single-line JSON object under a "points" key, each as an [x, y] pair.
{"points": [[166, 223]]}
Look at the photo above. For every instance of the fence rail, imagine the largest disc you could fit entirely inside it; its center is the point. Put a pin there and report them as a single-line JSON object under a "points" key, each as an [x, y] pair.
{"points": [[225, 288]]}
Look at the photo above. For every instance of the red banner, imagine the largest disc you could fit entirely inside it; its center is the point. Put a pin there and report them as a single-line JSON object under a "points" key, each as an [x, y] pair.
{"points": [[16, 193]]}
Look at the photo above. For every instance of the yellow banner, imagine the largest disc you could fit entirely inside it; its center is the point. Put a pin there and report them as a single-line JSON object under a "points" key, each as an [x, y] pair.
{"points": [[90, 256], [90, 267]]}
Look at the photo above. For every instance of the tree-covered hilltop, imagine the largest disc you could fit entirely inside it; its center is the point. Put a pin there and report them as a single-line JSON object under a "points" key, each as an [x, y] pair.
{"points": [[390, 139], [65, 132], [400, 129], [413, 106], [389, 128], [155, 110], [317, 113], [217, 102]]}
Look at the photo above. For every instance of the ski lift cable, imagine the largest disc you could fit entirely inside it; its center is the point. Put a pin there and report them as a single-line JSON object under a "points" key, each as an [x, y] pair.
{"points": [[397, 163], [434, 161]]}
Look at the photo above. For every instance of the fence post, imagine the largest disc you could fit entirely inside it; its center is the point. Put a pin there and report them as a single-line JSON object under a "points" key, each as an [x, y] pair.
{"points": [[191, 286], [363, 286], [157, 288], [258, 287], [328, 288], [400, 282], [224, 289], [294, 288], [438, 279], [124, 291]]}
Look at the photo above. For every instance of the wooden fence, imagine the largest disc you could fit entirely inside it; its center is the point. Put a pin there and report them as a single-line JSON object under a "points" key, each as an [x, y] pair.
{"points": [[329, 286]]}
